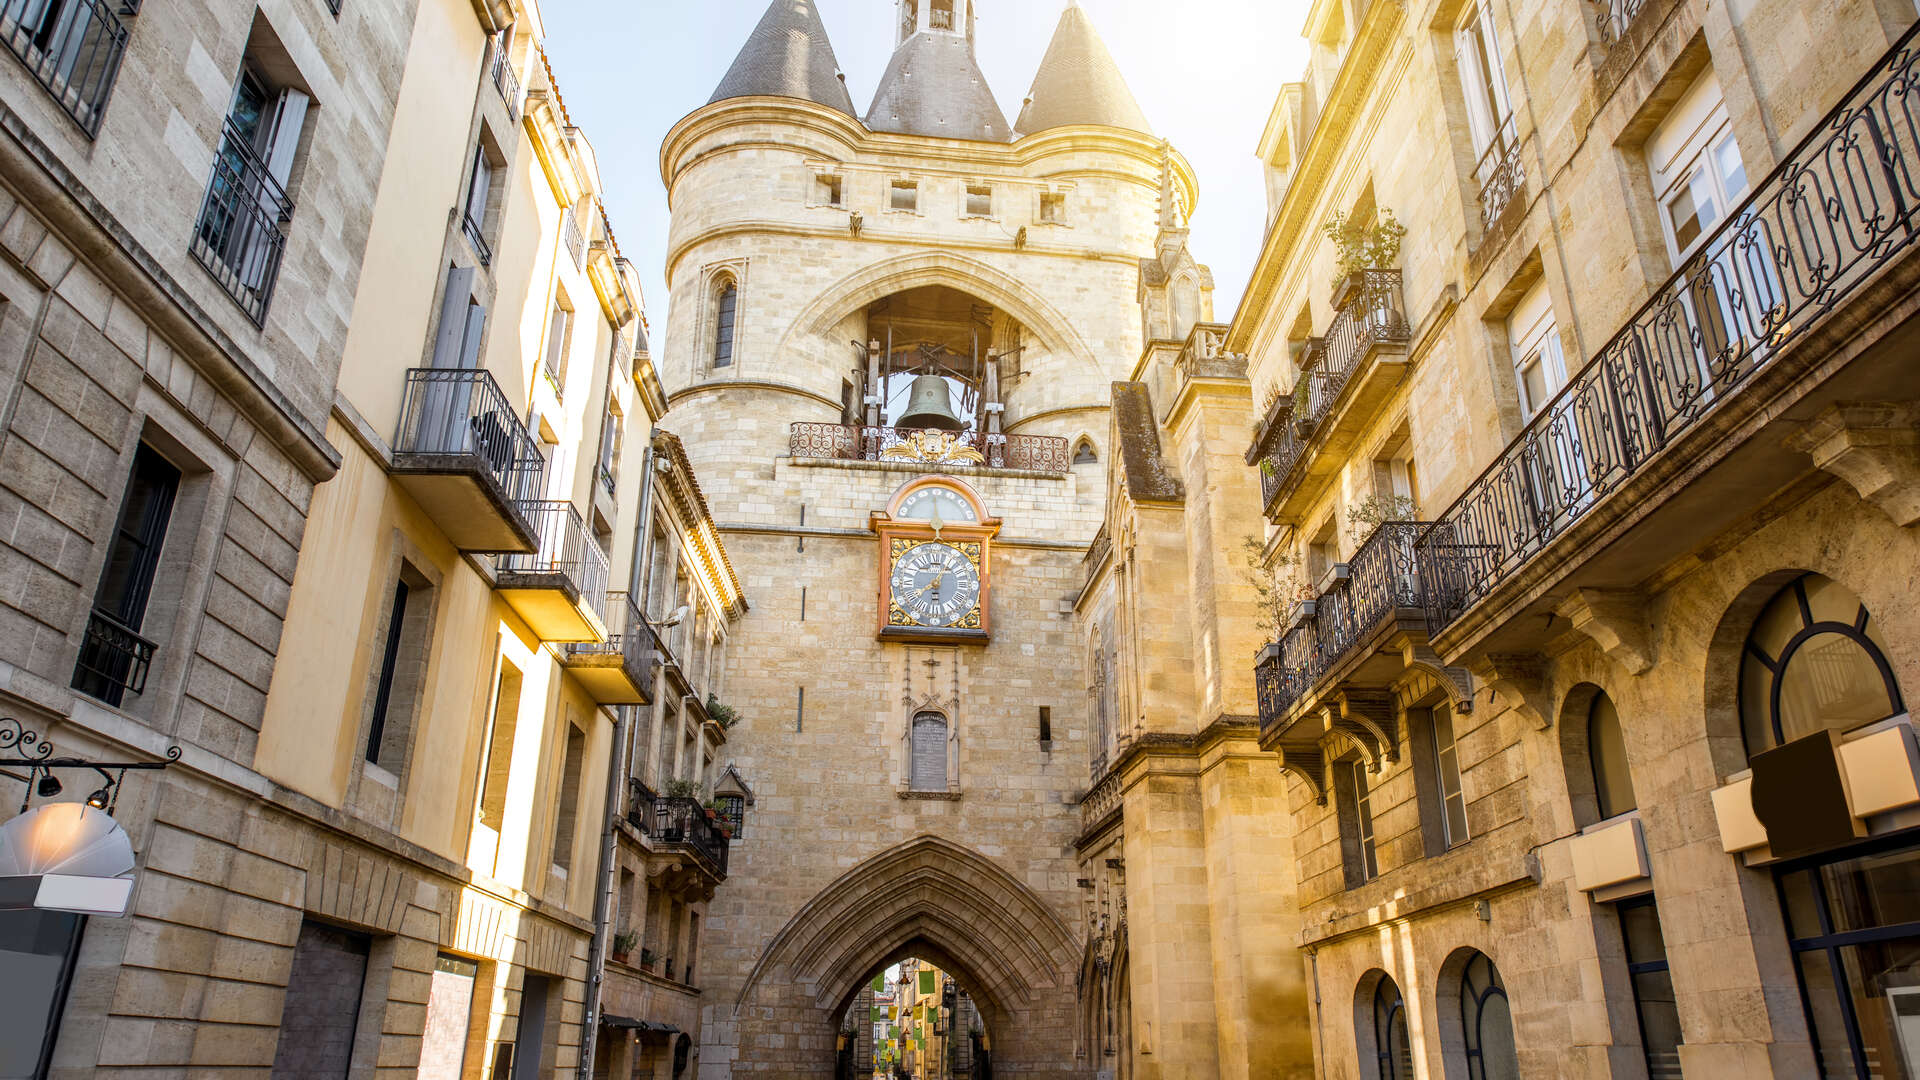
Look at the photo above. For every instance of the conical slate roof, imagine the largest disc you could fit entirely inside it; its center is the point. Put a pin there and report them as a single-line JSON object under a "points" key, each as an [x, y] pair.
{"points": [[788, 56], [1078, 83], [934, 87]]}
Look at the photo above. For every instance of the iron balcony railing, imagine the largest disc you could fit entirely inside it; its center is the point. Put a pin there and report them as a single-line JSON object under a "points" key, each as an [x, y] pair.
{"points": [[239, 237], [576, 240], [1839, 207], [477, 236], [1616, 16], [463, 412], [1372, 315], [608, 480], [672, 819], [504, 80], [1501, 175], [566, 548], [930, 446], [627, 635], [73, 48], [1382, 578], [114, 659]]}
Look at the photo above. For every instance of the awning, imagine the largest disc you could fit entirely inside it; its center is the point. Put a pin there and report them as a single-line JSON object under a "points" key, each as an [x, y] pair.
{"points": [[629, 1023]]}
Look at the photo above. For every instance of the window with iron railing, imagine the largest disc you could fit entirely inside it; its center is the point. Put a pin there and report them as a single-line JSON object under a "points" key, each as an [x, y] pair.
{"points": [[473, 218], [239, 237], [576, 240], [72, 47], [114, 658], [504, 79]]}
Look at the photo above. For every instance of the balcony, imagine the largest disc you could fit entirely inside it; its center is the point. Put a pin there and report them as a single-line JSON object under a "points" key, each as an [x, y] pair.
{"points": [[672, 823], [1676, 429], [619, 670], [239, 237], [504, 79], [1502, 178], [464, 456], [114, 660], [930, 446], [73, 50], [558, 588], [1332, 668], [1347, 376]]}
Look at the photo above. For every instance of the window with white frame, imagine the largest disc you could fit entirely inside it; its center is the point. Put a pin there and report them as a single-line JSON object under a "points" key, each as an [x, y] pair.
{"points": [[1539, 366], [1483, 81]]}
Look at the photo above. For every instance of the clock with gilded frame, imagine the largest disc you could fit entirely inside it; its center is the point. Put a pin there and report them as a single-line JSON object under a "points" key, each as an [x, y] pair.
{"points": [[935, 568]]}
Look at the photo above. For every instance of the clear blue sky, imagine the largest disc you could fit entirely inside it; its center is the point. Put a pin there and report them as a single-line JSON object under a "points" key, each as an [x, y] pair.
{"points": [[1205, 71]]}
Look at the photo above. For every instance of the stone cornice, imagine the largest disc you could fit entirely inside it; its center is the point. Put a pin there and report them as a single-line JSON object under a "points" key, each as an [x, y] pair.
{"points": [[683, 488], [1351, 90]]}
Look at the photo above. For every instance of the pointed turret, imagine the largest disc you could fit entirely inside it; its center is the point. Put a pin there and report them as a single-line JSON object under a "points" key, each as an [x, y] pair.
{"points": [[1078, 83], [933, 85], [788, 55]]}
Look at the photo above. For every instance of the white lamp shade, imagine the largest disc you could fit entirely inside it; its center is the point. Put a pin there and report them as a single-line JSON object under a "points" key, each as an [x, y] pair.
{"points": [[69, 838]]}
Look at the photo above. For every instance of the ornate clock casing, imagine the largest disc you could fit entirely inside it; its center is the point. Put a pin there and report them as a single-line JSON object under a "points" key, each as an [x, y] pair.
{"points": [[935, 565]]}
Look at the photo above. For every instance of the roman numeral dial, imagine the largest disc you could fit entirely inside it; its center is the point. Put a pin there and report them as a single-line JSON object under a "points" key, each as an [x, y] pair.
{"points": [[938, 584]]}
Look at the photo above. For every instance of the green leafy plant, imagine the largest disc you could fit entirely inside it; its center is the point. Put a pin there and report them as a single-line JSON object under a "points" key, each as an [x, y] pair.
{"points": [[1363, 245], [682, 789], [647, 958], [724, 715], [1277, 584], [624, 942], [1367, 515]]}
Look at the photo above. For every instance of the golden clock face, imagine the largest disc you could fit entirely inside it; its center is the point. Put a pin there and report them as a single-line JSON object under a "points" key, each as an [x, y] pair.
{"points": [[936, 584]]}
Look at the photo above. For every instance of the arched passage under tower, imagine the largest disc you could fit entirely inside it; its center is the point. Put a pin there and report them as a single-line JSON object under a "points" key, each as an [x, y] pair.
{"points": [[931, 900]]}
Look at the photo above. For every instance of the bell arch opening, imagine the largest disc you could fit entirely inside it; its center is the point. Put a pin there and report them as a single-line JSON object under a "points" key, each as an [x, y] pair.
{"points": [[915, 1014], [935, 356]]}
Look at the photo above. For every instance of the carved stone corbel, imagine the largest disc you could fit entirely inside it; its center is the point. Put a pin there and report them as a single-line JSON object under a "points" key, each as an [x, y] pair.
{"points": [[1334, 742], [1311, 767], [1367, 715], [1516, 680], [1458, 686], [1874, 446], [1616, 620]]}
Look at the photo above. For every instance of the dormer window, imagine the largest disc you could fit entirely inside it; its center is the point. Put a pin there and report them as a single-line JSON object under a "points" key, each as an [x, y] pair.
{"points": [[941, 17], [905, 196], [827, 190], [979, 200]]}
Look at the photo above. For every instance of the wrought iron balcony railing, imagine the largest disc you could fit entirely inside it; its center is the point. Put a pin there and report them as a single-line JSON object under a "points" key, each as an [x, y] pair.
{"points": [[566, 549], [672, 819], [628, 635], [477, 236], [1838, 208], [462, 412], [1371, 316], [1501, 175], [576, 240], [239, 239], [73, 48], [929, 446], [114, 660], [1616, 16], [504, 79], [1383, 578]]}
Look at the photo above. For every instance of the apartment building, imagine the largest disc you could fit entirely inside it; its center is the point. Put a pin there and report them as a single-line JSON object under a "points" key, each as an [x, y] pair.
{"points": [[187, 191], [1586, 450]]}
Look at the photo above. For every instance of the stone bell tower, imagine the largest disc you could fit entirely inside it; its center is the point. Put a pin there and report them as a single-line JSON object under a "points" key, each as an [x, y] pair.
{"points": [[916, 794]]}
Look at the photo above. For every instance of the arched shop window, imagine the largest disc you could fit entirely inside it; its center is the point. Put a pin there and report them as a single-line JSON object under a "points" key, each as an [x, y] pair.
{"points": [[1390, 1032], [1487, 1022], [1607, 751], [1813, 661]]}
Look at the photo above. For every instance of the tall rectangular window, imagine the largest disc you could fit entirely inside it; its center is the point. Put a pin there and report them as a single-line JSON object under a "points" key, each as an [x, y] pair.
{"points": [[114, 658], [1652, 987], [559, 342], [1354, 809], [1483, 80], [530, 1035], [239, 237], [1540, 369], [389, 660], [566, 815], [474, 220], [321, 1013], [1446, 769], [726, 310], [499, 763], [37, 951]]}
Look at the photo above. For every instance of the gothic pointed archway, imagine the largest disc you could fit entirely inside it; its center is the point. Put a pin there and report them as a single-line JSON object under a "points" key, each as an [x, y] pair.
{"points": [[935, 899]]}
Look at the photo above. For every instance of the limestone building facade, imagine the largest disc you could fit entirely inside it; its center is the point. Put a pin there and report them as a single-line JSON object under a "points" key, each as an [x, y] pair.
{"points": [[1588, 535]]}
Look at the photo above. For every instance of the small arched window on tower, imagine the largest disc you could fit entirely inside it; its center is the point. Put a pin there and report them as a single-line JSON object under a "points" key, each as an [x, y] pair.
{"points": [[1083, 453], [929, 750], [726, 307]]}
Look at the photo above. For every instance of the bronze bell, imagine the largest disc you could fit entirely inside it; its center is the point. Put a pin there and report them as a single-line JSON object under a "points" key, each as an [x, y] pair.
{"points": [[929, 405]]}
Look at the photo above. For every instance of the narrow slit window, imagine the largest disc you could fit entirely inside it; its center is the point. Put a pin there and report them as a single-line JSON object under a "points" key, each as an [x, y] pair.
{"points": [[728, 308]]}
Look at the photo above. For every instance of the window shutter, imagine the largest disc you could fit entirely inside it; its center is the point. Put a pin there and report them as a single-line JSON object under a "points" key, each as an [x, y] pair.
{"points": [[289, 115], [476, 324], [1466, 54], [929, 753], [447, 342], [477, 190]]}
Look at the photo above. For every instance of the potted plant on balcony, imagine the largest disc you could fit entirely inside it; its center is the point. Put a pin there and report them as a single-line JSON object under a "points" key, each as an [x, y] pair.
{"points": [[1361, 245], [1275, 582], [647, 959], [624, 943], [1365, 517], [682, 789], [724, 715]]}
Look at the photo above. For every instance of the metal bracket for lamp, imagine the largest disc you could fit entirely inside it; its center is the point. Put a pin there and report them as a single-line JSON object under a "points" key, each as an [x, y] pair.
{"points": [[66, 856]]}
